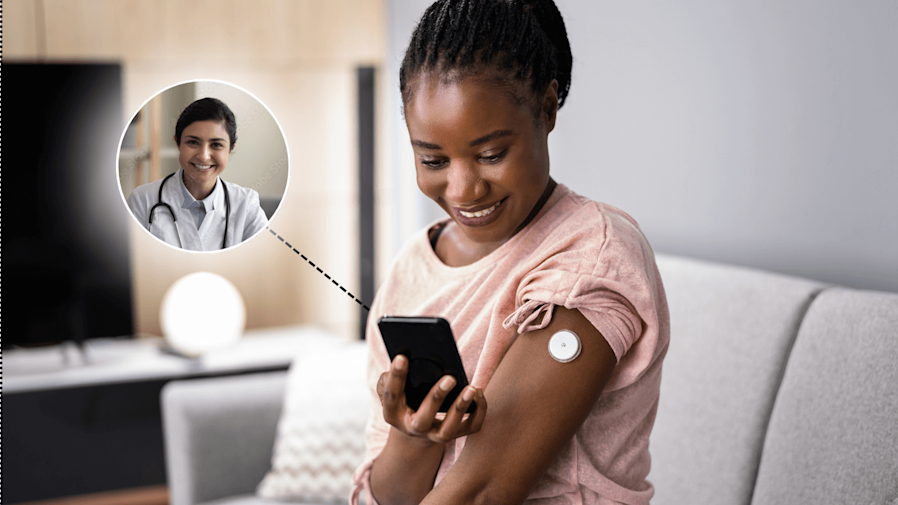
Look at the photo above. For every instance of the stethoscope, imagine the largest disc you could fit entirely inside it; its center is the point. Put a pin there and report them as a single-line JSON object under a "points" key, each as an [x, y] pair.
{"points": [[224, 239]]}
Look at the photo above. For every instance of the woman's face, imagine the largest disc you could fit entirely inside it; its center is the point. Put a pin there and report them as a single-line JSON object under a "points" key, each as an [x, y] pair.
{"points": [[204, 151], [478, 154]]}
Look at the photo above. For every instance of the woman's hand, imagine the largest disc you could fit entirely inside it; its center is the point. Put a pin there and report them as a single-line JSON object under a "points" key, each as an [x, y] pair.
{"points": [[405, 470], [423, 424]]}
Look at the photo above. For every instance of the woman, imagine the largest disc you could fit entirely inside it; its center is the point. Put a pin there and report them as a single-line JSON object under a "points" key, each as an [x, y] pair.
{"points": [[196, 210], [519, 259]]}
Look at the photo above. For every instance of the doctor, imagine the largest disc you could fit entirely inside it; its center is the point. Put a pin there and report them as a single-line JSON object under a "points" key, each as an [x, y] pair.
{"points": [[193, 208]]}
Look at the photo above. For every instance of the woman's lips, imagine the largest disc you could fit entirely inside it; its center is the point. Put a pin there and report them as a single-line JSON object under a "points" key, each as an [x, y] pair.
{"points": [[483, 212], [479, 216], [203, 167]]}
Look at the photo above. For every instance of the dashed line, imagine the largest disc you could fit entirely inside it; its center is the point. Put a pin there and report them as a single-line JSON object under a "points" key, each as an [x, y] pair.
{"points": [[322, 272]]}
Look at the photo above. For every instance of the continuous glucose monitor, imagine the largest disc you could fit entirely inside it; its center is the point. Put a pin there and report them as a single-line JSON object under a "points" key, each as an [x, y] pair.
{"points": [[564, 346]]}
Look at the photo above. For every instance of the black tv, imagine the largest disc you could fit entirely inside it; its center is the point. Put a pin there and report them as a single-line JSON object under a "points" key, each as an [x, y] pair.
{"points": [[66, 268]]}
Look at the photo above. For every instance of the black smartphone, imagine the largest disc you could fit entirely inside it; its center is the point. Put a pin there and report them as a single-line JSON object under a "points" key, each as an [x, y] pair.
{"points": [[428, 344]]}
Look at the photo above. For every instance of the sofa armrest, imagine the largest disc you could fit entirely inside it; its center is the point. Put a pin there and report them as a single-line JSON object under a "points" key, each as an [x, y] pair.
{"points": [[219, 434]]}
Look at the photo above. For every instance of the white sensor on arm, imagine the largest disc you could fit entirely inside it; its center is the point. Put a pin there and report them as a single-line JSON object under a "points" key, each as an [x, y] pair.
{"points": [[564, 346]]}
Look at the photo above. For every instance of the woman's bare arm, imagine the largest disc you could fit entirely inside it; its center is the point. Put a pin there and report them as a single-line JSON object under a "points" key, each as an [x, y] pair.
{"points": [[536, 404], [406, 468]]}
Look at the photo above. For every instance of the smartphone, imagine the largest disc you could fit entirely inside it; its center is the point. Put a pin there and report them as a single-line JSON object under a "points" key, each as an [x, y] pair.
{"points": [[428, 344]]}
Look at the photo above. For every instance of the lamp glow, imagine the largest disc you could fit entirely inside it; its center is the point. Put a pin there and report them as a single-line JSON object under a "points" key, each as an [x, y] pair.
{"points": [[201, 312]]}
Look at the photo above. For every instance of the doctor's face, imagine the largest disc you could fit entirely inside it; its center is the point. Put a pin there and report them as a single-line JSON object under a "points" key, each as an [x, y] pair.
{"points": [[205, 148]]}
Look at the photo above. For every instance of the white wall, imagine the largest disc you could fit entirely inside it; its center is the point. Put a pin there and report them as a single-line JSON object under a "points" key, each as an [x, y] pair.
{"points": [[755, 133], [260, 155]]}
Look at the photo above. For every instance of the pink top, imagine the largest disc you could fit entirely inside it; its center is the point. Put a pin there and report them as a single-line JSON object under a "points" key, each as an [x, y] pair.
{"points": [[578, 254]]}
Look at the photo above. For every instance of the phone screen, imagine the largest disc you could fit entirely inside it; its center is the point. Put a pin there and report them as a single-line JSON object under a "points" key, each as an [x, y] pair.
{"points": [[428, 344]]}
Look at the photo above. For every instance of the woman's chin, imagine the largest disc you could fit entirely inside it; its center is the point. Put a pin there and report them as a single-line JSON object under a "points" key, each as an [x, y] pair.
{"points": [[202, 176], [493, 233]]}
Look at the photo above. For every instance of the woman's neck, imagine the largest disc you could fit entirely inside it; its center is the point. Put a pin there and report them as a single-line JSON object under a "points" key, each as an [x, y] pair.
{"points": [[198, 191], [550, 187], [456, 250]]}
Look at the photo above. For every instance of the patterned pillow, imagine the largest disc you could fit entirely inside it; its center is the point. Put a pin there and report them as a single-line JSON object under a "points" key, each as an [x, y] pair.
{"points": [[321, 434]]}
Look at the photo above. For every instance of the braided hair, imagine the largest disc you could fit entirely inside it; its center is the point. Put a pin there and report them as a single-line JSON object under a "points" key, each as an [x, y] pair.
{"points": [[520, 40]]}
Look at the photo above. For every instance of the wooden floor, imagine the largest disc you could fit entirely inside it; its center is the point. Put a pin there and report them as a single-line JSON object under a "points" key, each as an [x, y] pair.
{"points": [[154, 495]]}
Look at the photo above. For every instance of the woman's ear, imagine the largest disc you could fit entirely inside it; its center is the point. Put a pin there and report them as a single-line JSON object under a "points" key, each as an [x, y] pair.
{"points": [[175, 137], [233, 146], [550, 105]]}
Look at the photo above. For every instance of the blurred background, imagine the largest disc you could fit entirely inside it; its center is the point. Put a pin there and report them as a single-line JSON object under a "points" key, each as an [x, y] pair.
{"points": [[299, 59], [259, 161], [762, 134]]}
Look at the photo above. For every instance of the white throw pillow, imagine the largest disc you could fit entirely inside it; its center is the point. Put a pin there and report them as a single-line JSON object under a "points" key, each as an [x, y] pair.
{"points": [[321, 433]]}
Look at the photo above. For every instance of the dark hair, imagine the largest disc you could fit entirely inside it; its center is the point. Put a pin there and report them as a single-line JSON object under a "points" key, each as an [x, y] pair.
{"points": [[522, 39], [207, 109]]}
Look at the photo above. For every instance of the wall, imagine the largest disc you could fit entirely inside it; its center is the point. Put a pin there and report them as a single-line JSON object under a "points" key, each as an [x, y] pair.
{"points": [[297, 57], [755, 133]]}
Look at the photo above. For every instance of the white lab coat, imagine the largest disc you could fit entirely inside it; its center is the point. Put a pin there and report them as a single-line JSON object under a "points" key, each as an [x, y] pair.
{"points": [[247, 216]]}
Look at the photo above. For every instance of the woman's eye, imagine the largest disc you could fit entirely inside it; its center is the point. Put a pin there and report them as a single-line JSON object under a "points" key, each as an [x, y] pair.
{"points": [[493, 158], [431, 163]]}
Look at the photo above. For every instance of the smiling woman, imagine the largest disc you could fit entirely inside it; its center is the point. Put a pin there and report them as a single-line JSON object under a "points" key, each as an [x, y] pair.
{"points": [[214, 214], [521, 268], [490, 167], [203, 154]]}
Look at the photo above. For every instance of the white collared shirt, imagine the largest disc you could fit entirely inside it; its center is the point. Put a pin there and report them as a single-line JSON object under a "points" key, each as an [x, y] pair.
{"points": [[183, 227], [198, 208]]}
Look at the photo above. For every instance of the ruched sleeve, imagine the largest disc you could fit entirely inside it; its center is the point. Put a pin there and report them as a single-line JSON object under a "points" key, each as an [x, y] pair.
{"points": [[607, 272]]}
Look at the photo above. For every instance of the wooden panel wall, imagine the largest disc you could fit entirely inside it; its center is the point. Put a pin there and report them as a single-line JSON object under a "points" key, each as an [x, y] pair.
{"points": [[299, 58]]}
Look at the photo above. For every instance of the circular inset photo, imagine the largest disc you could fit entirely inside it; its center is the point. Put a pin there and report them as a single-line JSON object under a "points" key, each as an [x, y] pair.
{"points": [[203, 166]]}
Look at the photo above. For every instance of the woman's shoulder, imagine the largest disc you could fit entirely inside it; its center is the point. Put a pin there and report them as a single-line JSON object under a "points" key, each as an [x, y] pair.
{"points": [[145, 192], [577, 219], [240, 191]]}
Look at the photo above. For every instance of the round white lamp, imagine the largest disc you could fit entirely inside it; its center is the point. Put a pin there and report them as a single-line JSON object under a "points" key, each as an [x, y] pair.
{"points": [[201, 312]]}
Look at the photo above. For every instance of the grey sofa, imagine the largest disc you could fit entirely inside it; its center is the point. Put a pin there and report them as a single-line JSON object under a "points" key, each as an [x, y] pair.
{"points": [[776, 390]]}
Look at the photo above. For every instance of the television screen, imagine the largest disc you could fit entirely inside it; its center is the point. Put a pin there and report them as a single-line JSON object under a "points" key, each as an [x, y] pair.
{"points": [[66, 271]]}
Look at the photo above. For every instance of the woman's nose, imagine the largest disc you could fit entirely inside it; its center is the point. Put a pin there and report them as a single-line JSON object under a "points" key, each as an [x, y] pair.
{"points": [[206, 153], [464, 184]]}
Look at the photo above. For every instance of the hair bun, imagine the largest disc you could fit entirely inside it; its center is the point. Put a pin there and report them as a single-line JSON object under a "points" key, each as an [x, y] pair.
{"points": [[552, 24], [525, 39]]}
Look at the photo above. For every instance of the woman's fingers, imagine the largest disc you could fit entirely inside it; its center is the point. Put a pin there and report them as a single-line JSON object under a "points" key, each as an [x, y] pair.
{"points": [[380, 387], [424, 422], [473, 423], [424, 419], [458, 423], [450, 427], [393, 395]]}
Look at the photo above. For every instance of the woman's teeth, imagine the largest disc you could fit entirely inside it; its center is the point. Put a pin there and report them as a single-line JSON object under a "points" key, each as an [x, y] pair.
{"points": [[481, 213], [202, 167]]}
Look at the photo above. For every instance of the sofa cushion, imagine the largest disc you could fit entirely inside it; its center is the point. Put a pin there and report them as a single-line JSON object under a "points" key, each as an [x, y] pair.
{"points": [[321, 434], [219, 433], [833, 434], [251, 499], [731, 330]]}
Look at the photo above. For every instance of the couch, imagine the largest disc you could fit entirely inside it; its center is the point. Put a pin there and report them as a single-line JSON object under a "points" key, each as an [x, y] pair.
{"points": [[775, 390]]}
